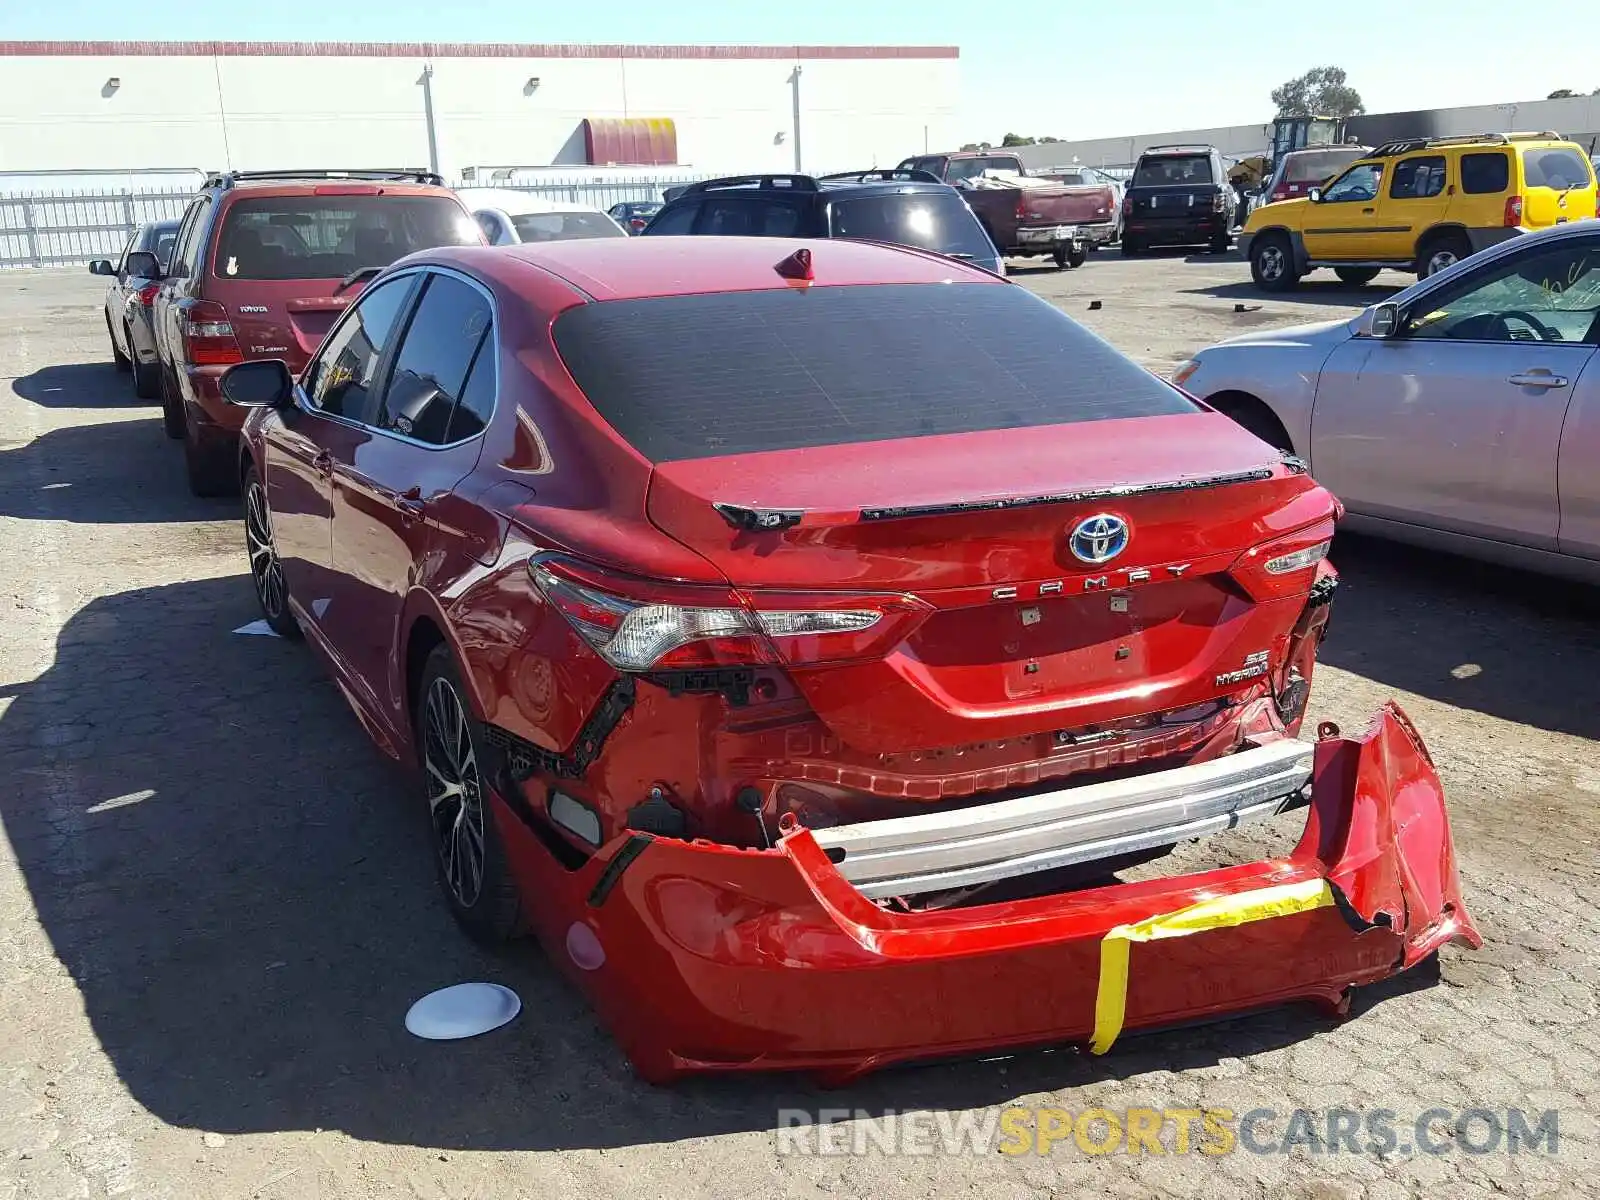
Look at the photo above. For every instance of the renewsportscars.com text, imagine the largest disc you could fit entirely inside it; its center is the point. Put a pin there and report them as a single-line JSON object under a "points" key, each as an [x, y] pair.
{"points": [[1377, 1132]]}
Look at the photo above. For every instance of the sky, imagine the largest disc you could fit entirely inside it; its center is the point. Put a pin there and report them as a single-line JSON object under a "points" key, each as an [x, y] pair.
{"points": [[1063, 68]]}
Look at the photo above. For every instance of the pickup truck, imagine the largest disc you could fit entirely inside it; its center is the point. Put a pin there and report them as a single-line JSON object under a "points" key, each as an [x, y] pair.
{"points": [[1026, 219]]}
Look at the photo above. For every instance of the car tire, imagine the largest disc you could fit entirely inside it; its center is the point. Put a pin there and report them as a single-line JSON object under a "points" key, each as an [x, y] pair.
{"points": [[473, 871], [146, 376], [1272, 264], [171, 407], [1130, 247], [1065, 258], [1357, 276], [1441, 251], [118, 358], [266, 569], [209, 472], [1221, 245]]}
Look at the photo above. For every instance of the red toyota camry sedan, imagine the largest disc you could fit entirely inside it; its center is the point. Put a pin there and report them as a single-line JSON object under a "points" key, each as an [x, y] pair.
{"points": [[797, 638]]}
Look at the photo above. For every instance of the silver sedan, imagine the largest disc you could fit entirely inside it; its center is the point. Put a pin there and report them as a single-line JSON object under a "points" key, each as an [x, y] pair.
{"points": [[1463, 414]]}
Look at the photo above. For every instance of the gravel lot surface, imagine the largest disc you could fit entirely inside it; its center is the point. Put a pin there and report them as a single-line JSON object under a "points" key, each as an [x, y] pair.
{"points": [[216, 901]]}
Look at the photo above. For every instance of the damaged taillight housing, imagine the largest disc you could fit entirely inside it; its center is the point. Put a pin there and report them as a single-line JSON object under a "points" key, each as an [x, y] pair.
{"points": [[1286, 565], [653, 625]]}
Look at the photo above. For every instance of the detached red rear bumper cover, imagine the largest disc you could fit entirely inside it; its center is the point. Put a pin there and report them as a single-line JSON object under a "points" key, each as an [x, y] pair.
{"points": [[703, 958]]}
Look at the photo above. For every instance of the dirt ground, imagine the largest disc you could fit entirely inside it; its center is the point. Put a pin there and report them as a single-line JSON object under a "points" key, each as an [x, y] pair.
{"points": [[216, 903]]}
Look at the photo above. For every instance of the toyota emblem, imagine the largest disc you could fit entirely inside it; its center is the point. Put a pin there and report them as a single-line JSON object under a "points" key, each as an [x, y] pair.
{"points": [[1099, 538]]}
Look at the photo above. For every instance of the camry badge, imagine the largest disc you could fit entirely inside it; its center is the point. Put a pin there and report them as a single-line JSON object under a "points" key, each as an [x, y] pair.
{"points": [[1099, 538]]}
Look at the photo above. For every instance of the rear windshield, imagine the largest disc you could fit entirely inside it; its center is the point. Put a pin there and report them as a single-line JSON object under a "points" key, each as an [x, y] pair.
{"points": [[158, 240], [1317, 165], [328, 237], [1557, 168], [938, 221], [1173, 169], [683, 377], [560, 227]]}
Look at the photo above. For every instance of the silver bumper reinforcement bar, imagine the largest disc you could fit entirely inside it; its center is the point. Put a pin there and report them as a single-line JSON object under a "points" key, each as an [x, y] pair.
{"points": [[964, 847]]}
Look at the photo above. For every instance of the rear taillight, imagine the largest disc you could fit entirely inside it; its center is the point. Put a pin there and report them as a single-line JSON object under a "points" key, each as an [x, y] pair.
{"points": [[1219, 202], [1513, 214], [647, 625], [637, 224], [1022, 207], [1285, 565], [208, 335], [147, 294], [1127, 206]]}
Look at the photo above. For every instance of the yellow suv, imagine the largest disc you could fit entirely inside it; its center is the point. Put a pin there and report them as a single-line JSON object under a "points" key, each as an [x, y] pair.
{"points": [[1419, 205]]}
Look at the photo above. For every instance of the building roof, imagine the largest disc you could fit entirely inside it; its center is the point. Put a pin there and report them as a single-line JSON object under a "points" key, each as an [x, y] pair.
{"points": [[458, 50]]}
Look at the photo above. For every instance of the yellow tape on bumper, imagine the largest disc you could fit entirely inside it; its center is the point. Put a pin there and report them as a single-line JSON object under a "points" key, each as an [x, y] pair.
{"points": [[1110, 1004]]}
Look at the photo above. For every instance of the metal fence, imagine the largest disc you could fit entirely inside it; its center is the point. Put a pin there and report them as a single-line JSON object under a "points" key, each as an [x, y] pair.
{"points": [[61, 228]]}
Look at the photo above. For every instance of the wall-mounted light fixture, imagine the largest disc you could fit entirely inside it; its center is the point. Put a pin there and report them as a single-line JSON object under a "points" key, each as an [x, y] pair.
{"points": [[531, 86], [111, 86], [779, 138]]}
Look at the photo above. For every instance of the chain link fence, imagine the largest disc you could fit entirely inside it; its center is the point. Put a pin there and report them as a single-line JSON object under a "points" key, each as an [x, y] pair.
{"points": [[68, 228]]}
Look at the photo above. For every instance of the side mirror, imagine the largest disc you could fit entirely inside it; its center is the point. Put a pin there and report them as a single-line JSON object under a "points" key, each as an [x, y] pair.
{"points": [[143, 265], [1315, 195], [1383, 321], [102, 266], [264, 383]]}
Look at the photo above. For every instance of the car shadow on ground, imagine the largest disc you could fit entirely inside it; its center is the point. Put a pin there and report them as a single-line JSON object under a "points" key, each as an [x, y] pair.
{"points": [[80, 385], [1311, 291], [1506, 643], [104, 472], [243, 893]]}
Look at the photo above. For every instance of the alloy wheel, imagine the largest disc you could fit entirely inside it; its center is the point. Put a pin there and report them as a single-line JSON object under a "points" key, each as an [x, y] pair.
{"points": [[1440, 259], [1271, 262], [265, 568], [455, 793]]}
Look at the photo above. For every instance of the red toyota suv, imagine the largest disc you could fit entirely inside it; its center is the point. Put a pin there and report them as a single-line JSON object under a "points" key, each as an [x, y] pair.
{"points": [[795, 635], [263, 263]]}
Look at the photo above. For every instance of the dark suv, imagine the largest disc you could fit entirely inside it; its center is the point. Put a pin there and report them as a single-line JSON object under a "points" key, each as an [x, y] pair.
{"points": [[263, 263], [1178, 196], [905, 208]]}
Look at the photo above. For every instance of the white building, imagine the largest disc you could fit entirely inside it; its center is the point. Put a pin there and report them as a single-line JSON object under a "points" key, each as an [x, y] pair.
{"points": [[121, 106]]}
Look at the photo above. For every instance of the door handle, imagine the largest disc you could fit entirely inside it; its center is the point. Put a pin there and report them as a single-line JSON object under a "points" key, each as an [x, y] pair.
{"points": [[1538, 379], [1369, 211], [411, 505]]}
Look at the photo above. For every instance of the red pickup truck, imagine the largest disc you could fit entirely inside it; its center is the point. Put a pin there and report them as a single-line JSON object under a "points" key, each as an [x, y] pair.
{"points": [[1038, 217]]}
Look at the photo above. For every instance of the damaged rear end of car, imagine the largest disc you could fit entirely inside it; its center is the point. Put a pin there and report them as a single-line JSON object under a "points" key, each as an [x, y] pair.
{"points": [[964, 614]]}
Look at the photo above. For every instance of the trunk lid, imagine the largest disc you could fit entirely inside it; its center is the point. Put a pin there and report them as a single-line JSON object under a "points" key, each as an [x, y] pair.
{"points": [[1025, 637], [1173, 200]]}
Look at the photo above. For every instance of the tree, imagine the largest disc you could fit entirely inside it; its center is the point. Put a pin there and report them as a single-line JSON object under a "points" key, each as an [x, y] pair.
{"points": [[1016, 139], [1320, 92], [1561, 94]]}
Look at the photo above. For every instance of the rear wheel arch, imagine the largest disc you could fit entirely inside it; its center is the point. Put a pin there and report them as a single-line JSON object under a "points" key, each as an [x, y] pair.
{"points": [[1252, 413], [1444, 234]]}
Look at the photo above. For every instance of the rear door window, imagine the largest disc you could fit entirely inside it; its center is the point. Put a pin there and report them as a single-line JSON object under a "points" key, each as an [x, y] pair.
{"points": [[675, 219], [1417, 178], [329, 237], [684, 377], [1558, 168], [1485, 174], [430, 371], [187, 252], [938, 221], [342, 379]]}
